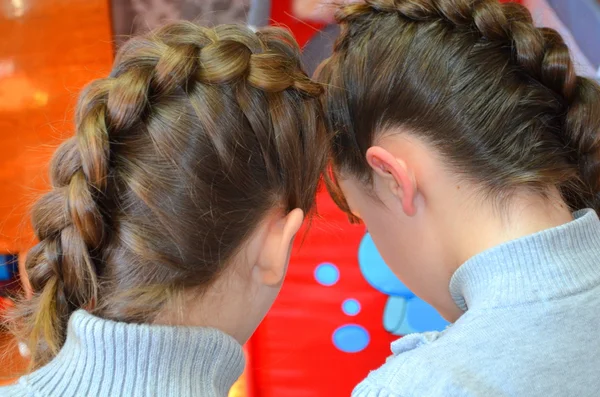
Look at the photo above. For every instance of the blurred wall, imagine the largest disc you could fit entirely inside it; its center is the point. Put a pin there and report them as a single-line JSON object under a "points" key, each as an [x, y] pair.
{"points": [[49, 49], [136, 16]]}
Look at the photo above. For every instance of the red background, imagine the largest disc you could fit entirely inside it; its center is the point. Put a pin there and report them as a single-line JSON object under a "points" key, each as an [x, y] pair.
{"points": [[292, 353]]}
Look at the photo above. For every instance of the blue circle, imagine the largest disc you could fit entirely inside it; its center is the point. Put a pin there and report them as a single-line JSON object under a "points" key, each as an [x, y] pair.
{"points": [[351, 338], [422, 317], [377, 273], [351, 307], [327, 274]]}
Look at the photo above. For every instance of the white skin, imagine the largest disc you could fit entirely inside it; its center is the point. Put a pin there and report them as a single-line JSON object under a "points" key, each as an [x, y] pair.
{"points": [[426, 221], [242, 295]]}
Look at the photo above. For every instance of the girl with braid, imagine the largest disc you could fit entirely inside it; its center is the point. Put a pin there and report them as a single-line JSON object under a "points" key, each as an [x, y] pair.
{"points": [[167, 234], [467, 144]]}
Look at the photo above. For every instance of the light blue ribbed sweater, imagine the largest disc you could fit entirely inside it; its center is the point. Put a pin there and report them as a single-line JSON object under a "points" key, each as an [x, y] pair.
{"points": [[530, 329], [108, 359]]}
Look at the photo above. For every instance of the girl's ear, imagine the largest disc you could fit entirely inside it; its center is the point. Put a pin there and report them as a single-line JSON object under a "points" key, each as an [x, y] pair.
{"points": [[398, 177], [275, 253]]}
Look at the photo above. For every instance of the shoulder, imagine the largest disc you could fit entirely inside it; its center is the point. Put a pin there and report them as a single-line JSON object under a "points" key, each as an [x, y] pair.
{"points": [[421, 366]]}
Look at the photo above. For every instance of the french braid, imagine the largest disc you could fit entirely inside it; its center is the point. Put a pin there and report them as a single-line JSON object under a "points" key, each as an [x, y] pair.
{"points": [[535, 61], [102, 229]]}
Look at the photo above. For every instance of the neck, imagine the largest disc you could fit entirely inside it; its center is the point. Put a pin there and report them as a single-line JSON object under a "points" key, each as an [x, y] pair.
{"points": [[541, 267], [487, 227], [236, 315], [483, 227]]}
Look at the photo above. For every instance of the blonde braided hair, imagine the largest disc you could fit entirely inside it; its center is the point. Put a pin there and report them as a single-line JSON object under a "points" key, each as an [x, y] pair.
{"points": [[177, 156]]}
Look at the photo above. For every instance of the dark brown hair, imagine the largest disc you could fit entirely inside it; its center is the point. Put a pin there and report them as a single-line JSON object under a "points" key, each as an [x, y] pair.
{"points": [[475, 79], [178, 155]]}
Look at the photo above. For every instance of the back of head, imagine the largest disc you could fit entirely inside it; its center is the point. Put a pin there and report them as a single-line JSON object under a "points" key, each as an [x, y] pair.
{"points": [[498, 97], [177, 156]]}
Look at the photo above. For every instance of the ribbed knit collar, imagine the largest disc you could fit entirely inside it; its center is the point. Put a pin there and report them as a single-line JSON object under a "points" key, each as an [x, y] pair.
{"points": [[544, 266], [107, 358]]}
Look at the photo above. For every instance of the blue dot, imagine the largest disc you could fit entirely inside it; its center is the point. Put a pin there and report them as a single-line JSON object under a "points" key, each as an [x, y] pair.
{"points": [[327, 274], [351, 307], [422, 317], [351, 338]]}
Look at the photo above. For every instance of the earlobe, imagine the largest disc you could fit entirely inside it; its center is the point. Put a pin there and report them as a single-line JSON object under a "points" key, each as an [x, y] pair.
{"points": [[396, 173]]}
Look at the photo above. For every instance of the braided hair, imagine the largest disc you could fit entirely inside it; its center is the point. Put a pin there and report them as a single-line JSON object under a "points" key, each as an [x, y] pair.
{"points": [[496, 95], [177, 156]]}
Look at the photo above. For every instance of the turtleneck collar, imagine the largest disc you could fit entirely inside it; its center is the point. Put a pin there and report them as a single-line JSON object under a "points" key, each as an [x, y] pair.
{"points": [[107, 358], [544, 266]]}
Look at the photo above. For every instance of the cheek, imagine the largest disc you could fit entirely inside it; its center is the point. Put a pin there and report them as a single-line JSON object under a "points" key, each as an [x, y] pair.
{"points": [[397, 243], [389, 235], [397, 239]]}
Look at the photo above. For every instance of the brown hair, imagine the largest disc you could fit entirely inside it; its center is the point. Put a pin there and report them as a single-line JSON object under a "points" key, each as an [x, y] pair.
{"points": [[178, 155], [475, 79]]}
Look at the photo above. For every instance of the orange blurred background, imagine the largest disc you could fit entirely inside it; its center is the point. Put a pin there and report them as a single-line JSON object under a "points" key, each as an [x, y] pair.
{"points": [[48, 51]]}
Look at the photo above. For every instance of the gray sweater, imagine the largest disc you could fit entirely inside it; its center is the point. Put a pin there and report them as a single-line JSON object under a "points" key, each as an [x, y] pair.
{"points": [[105, 358], [530, 328]]}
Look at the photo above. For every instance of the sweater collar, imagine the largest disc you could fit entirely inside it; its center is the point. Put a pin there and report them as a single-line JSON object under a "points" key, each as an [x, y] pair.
{"points": [[544, 266], [107, 358]]}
